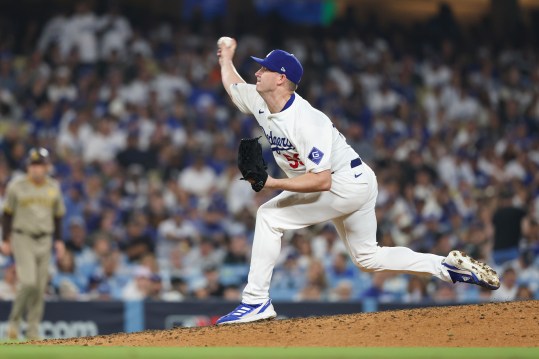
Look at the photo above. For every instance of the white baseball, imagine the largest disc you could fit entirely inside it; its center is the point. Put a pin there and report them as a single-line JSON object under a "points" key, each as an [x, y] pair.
{"points": [[225, 41]]}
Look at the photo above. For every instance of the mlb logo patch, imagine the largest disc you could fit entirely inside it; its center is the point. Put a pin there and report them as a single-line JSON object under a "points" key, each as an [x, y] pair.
{"points": [[316, 155]]}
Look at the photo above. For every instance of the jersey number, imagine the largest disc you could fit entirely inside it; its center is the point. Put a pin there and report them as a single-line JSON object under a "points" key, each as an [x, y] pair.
{"points": [[294, 161]]}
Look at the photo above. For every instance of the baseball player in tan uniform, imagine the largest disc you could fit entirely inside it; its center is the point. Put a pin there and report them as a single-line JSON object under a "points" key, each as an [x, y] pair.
{"points": [[33, 210]]}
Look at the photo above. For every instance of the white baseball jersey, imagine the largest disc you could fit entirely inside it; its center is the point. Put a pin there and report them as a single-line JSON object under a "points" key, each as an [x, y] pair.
{"points": [[302, 138]]}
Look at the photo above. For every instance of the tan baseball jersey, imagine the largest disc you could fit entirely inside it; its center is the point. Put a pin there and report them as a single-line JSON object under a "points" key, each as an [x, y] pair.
{"points": [[34, 206]]}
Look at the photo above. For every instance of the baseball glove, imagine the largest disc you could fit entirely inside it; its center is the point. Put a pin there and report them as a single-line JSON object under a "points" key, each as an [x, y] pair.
{"points": [[251, 163]]}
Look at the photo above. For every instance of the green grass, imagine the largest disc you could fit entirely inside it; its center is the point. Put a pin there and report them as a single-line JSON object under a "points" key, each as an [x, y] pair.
{"points": [[58, 352]]}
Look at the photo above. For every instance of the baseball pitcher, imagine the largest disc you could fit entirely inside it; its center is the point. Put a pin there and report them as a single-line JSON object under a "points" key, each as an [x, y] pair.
{"points": [[327, 180], [32, 216]]}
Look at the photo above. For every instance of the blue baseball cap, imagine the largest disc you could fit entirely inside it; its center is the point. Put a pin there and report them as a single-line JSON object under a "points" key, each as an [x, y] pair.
{"points": [[284, 63]]}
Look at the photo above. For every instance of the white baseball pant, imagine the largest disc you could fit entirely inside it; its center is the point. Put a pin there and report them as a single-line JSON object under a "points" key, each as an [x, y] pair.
{"points": [[351, 206]]}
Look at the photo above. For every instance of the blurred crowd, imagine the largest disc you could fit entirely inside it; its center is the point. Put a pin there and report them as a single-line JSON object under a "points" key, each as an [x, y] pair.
{"points": [[144, 140]]}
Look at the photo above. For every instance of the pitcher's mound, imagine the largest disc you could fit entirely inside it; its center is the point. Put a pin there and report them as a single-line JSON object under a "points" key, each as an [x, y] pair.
{"points": [[484, 325]]}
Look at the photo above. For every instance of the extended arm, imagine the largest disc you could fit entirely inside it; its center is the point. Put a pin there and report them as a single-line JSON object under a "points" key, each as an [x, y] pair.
{"points": [[225, 52], [308, 182], [7, 221], [59, 245], [57, 234]]}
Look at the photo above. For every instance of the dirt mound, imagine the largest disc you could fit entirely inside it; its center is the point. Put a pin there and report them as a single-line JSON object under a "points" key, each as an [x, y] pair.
{"points": [[484, 325]]}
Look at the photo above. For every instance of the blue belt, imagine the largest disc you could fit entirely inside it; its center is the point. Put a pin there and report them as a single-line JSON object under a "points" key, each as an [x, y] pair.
{"points": [[355, 162]]}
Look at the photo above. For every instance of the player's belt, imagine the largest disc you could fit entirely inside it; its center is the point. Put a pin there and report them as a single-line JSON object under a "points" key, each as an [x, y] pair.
{"points": [[34, 236], [353, 164]]}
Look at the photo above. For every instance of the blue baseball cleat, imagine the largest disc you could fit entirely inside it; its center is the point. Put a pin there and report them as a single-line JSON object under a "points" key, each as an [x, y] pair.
{"points": [[245, 313], [462, 268]]}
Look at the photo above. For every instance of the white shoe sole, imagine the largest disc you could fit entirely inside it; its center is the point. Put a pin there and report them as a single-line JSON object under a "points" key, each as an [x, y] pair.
{"points": [[481, 270]]}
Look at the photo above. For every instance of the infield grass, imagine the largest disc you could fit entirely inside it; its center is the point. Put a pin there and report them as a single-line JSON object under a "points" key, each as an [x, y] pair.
{"points": [[59, 352]]}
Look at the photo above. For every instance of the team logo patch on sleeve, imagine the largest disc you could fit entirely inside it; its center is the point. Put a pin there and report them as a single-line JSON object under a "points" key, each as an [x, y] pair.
{"points": [[316, 155]]}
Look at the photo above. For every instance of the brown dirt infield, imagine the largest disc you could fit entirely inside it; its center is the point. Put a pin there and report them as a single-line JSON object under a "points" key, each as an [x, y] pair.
{"points": [[513, 324]]}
